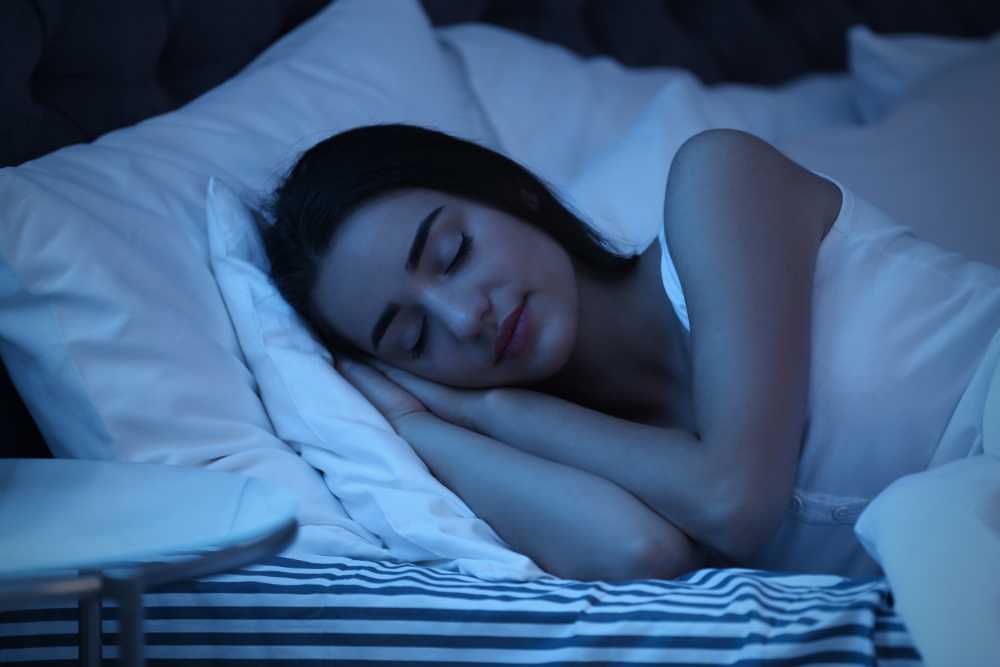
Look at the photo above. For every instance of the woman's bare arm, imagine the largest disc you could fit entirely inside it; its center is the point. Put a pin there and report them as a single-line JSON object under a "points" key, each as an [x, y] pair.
{"points": [[668, 469], [571, 523], [745, 224]]}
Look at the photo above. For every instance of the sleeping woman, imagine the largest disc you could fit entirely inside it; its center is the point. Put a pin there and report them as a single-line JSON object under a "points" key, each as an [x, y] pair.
{"points": [[603, 421]]}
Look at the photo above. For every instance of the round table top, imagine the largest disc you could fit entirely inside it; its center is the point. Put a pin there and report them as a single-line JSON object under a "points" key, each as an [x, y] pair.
{"points": [[67, 514]]}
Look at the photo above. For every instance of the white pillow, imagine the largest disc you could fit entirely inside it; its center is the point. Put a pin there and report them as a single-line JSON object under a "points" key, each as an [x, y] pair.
{"points": [[375, 473], [556, 111], [886, 67], [549, 107], [111, 323]]}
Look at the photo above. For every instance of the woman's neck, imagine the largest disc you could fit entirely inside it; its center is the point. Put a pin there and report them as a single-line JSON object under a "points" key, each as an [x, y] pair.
{"points": [[631, 353]]}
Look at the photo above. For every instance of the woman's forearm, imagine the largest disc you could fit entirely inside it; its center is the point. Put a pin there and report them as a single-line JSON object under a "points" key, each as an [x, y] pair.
{"points": [[668, 469], [573, 524]]}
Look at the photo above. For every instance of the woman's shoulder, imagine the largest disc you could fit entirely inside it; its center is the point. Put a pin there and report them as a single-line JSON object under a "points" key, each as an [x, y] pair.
{"points": [[716, 164]]}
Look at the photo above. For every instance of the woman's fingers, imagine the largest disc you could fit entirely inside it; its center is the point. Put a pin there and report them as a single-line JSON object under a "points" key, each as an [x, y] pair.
{"points": [[388, 397], [381, 365], [354, 374], [458, 406], [389, 371]]}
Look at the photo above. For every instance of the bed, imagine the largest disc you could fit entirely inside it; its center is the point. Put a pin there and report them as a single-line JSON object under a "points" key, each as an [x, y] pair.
{"points": [[133, 294]]}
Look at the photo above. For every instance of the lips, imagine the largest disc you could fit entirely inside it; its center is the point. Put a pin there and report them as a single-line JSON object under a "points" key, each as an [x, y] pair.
{"points": [[506, 332]]}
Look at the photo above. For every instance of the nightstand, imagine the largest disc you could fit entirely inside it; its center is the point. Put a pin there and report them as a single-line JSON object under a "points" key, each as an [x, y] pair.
{"points": [[95, 529]]}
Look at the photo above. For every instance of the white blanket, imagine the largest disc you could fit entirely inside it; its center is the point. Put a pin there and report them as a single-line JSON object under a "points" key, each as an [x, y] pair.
{"points": [[936, 535]]}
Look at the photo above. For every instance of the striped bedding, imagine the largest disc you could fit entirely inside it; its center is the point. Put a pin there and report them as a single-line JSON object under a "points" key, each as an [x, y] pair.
{"points": [[344, 611]]}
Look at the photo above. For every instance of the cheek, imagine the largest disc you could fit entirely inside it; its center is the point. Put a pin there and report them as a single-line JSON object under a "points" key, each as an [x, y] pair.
{"points": [[557, 334], [557, 280], [561, 318]]}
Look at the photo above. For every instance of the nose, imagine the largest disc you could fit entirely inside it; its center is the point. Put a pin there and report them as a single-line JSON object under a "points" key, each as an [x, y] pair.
{"points": [[462, 310]]}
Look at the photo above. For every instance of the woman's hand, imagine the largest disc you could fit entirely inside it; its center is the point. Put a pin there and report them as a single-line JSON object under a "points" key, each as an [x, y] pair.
{"points": [[460, 406], [389, 398]]}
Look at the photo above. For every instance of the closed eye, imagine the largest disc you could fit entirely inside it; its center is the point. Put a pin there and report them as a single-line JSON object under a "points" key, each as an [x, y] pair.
{"points": [[459, 260], [460, 256], [418, 349]]}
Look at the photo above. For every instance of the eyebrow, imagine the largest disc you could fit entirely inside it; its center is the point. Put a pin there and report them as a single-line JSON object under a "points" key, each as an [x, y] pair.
{"points": [[412, 262]]}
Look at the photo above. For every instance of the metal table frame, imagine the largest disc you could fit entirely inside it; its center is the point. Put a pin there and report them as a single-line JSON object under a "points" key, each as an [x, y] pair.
{"points": [[126, 584]]}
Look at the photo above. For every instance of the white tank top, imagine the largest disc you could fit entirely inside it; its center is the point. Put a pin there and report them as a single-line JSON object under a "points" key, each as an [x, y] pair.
{"points": [[904, 343]]}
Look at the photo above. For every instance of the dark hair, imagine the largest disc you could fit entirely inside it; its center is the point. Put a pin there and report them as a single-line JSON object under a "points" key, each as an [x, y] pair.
{"points": [[338, 174]]}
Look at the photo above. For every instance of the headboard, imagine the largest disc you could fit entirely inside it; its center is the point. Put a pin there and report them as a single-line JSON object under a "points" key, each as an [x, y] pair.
{"points": [[73, 71]]}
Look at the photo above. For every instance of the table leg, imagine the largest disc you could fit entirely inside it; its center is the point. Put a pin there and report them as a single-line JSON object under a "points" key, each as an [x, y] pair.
{"points": [[131, 619], [90, 631]]}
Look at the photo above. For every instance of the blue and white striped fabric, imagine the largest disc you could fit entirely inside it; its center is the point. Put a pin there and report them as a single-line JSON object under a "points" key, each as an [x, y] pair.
{"points": [[344, 611]]}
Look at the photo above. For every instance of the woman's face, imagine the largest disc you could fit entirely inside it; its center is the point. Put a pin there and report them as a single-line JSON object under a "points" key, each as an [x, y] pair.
{"points": [[425, 280]]}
